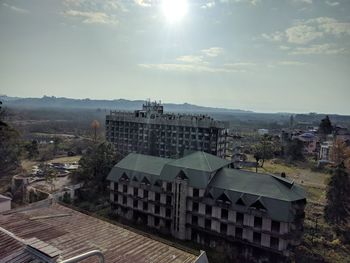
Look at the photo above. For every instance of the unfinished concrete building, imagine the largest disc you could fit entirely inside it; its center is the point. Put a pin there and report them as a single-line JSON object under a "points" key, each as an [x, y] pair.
{"points": [[200, 197], [151, 131]]}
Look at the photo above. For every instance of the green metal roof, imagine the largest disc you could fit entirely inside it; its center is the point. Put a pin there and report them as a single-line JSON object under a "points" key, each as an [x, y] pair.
{"points": [[257, 184], [201, 161]]}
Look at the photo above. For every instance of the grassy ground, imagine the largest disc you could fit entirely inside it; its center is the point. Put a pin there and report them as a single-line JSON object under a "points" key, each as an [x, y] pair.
{"points": [[66, 159]]}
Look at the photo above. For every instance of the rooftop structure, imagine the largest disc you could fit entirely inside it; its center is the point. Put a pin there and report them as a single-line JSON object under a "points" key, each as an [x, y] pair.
{"points": [[52, 233], [151, 131], [200, 197]]}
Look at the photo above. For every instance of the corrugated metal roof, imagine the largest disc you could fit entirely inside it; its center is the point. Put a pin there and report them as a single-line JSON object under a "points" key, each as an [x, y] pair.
{"points": [[77, 233]]}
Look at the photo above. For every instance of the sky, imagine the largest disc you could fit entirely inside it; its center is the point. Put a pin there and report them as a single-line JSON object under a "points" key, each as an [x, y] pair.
{"points": [[260, 55]]}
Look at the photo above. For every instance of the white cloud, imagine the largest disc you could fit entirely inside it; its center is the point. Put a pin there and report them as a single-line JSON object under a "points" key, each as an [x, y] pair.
{"points": [[192, 59], [275, 37], [302, 34], [291, 63], [189, 68], [93, 17], [16, 9], [284, 47], [327, 49], [332, 3], [252, 2], [208, 5], [213, 51], [306, 31], [303, 1], [145, 3]]}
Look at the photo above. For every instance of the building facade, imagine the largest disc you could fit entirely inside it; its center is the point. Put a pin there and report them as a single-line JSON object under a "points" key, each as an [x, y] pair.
{"points": [[151, 131], [200, 197]]}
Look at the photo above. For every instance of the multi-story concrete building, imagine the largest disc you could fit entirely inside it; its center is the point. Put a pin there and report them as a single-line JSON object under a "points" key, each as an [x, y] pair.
{"points": [[200, 197], [151, 131]]}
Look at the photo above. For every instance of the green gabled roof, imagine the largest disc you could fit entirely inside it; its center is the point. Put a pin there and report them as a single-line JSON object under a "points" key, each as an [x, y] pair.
{"points": [[265, 185], [201, 161], [143, 163], [138, 165]]}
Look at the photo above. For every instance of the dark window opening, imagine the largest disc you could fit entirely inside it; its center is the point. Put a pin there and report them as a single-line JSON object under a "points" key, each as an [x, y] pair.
{"points": [[145, 206], [224, 214], [274, 242], [195, 220], [257, 222], [239, 233], [125, 188], [124, 200], [195, 192], [145, 194], [208, 223], [256, 238], [195, 207], [158, 197], [157, 209], [168, 212], [208, 210], [156, 221], [275, 226], [168, 187], [223, 228], [168, 200], [239, 218], [135, 203], [136, 191]]}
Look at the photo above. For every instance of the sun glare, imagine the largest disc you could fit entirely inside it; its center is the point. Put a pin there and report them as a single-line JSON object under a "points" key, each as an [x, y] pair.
{"points": [[174, 10]]}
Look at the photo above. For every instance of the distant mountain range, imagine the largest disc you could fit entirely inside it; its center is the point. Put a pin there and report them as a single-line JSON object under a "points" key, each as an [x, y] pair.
{"points": [[117, 104]]}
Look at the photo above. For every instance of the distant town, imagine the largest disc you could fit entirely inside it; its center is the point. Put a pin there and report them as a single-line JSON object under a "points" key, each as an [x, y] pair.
{"points": [[191, 187]]}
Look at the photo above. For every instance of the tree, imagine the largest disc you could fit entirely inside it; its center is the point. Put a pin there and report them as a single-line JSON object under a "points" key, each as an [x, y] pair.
{"points": [[325, 127], [32, 149], [340, 153], [337, 209], [50, 175], [10, 146], [294, 150], [264, 150], [95, 125], [95, 165]]}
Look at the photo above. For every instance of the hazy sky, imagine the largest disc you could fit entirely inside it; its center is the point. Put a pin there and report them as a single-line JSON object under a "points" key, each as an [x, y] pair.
{"points": [[262, 55]]}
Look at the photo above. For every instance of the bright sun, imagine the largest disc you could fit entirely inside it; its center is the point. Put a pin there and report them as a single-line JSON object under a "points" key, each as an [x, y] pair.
{"points": [[174, 10]]}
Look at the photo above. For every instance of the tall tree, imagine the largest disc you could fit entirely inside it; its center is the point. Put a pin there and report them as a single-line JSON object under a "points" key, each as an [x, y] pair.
{"points": [[10, 146], [264, 150], [95, 125], [32, 149], [337, 209], [95, 165], [294, 150], [340, 153], [325, 127]]}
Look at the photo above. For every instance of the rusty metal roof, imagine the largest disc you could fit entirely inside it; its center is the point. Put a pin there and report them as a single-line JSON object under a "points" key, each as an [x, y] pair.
{"points": [[76, 233]]}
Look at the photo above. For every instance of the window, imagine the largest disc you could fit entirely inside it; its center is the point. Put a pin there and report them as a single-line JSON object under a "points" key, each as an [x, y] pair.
{"points": [[239, 218], [135, 203], [156, 221], [275, 226], [168, 212], [223, 228], [239, 233], [224, 214], [256, 238], [168, 224], [145, 206], [136, 191], [158, 197], [156, 209], [116, 186], [125, 188], [208, 223], [195, 207], [168, 200], [195, 220], [168, 187], [274, 242], [257, 222], [208, 210], [124, 200], [195, 192], [145, 194]]}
